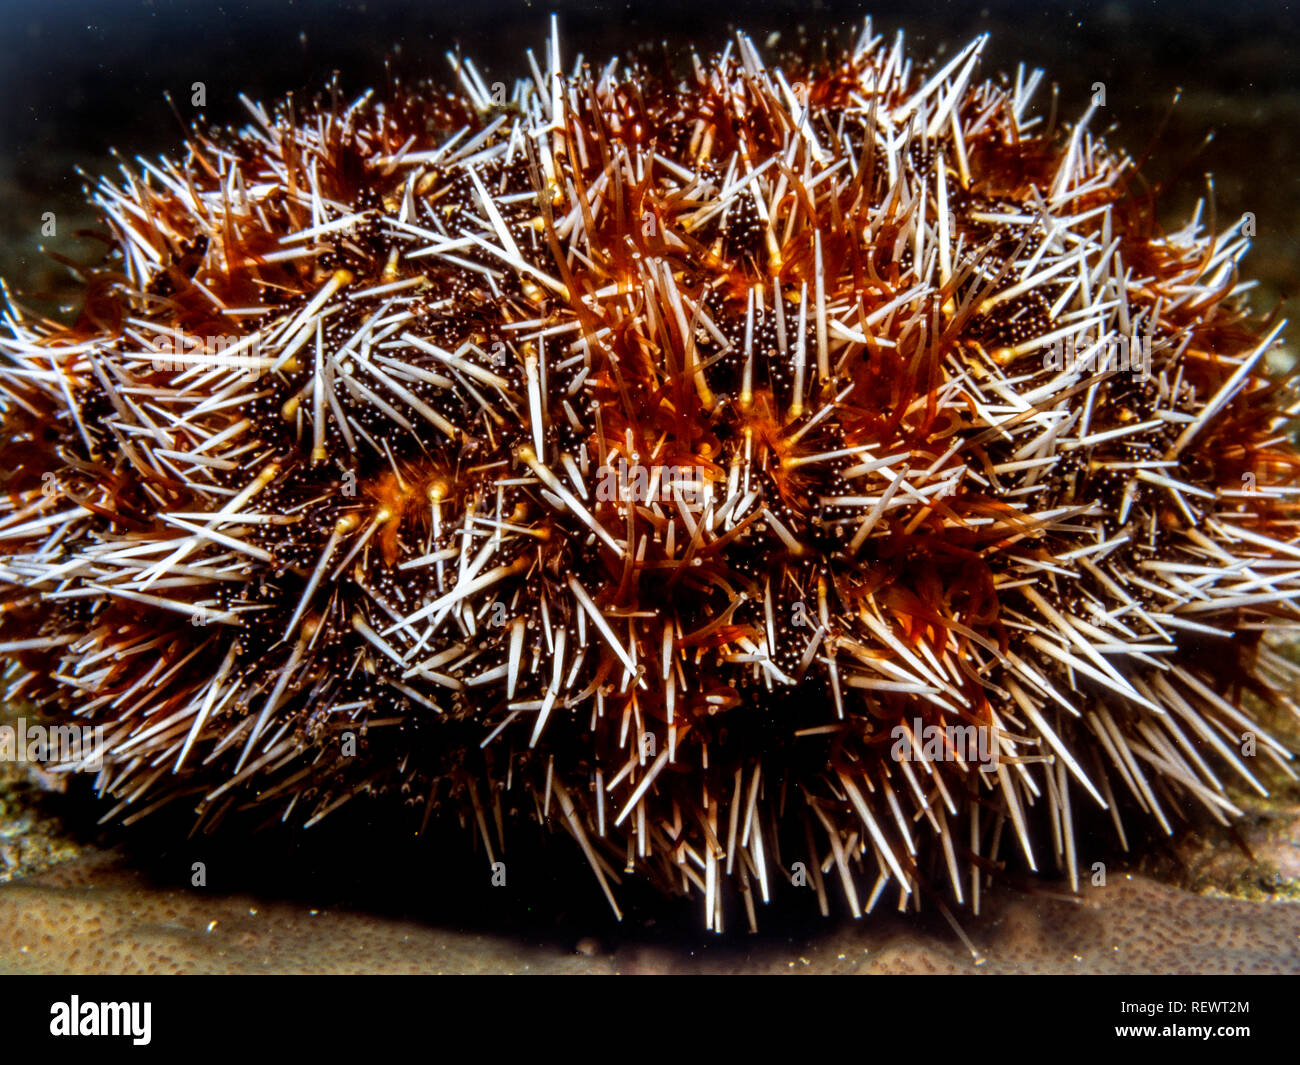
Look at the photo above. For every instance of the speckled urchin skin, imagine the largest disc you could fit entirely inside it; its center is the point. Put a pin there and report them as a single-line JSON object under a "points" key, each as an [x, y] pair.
{"points": [[654, 461]]}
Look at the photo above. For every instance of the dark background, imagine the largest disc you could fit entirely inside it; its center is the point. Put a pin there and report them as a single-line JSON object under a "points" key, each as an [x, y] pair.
{"points": [[79, 78]]}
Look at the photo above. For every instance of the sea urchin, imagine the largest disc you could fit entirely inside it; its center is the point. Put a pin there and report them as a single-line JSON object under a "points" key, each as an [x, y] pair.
{"points": [[825, 473]]}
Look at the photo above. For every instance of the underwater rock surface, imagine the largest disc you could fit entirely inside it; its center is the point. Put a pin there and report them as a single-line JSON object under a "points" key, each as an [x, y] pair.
{"points": [[91, 915]]}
